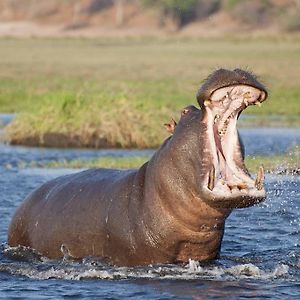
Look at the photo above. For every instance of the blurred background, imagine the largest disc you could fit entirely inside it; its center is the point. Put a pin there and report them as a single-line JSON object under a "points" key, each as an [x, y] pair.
{"points": [[110, 73], [104, 17]]}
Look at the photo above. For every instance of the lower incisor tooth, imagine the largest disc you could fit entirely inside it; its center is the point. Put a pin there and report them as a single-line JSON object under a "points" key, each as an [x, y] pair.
{"points": [[211, 178]]}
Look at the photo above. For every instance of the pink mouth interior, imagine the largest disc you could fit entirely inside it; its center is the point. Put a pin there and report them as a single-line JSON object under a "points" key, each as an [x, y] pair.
{"points": [[224, 107]]}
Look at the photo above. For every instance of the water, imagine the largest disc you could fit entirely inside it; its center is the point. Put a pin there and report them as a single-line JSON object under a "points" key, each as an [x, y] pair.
{"points": [[5, 119], [260, 255]]}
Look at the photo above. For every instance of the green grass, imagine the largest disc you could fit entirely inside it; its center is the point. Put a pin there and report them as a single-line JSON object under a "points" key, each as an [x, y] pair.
{"points": [[274, 163], [119, 92], [109, 162]]}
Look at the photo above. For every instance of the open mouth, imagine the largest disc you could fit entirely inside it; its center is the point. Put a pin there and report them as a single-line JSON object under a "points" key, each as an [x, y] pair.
{"points": [[228, 177]]}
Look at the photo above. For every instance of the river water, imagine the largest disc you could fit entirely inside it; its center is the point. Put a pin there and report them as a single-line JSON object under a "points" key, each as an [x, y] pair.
{"points": [[260, 255]]}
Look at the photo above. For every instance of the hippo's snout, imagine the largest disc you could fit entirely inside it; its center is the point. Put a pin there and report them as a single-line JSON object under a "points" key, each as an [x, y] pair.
{"points": [[228, 182]]}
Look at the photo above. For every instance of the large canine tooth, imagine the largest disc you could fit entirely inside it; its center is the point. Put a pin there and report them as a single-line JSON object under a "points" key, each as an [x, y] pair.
{"points": [[211, 178], [260, 178], [246, 102]]}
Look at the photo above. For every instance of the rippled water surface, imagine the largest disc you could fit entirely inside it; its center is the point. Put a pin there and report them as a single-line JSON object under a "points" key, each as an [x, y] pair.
{"points": [[260, 255]]}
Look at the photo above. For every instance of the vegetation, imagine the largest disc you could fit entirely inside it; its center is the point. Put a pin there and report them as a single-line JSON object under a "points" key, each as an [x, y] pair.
{"points": [[111, 162], [286, 164], [76, 14], [182, 12], [120, 92]]}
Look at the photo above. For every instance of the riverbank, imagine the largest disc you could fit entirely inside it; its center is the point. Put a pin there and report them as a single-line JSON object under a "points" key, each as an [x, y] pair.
{"points": [[112, 92]]}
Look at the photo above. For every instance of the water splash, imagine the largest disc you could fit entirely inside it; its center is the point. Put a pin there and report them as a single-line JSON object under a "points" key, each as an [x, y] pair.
{"points": [[32, 265]]}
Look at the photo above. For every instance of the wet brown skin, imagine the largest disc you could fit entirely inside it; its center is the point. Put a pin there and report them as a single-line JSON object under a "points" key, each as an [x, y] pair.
{"points": [[160, 213]]}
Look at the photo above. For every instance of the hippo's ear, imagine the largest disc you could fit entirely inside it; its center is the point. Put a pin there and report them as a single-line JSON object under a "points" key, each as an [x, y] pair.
{"points": [[171, 126]]}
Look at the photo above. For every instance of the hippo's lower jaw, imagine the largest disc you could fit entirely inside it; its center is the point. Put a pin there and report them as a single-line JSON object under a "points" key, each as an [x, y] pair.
{"points": [[228, 183]]}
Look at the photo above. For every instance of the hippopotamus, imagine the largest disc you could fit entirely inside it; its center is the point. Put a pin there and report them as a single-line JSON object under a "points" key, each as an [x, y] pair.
{"points": [[172, 209]]}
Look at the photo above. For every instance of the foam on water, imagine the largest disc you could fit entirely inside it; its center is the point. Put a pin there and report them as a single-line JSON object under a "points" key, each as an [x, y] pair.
{"points": [[30, 264], [240, 271]]}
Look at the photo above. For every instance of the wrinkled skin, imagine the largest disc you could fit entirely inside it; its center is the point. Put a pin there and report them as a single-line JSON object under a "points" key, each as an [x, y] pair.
{"points": [[171, 209]]}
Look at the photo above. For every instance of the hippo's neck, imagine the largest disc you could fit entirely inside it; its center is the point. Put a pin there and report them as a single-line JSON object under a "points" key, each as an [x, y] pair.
{"points": [[195, 228]]}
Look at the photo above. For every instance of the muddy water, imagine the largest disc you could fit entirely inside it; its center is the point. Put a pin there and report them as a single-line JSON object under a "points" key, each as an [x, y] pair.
{"points": [[260, 255]]}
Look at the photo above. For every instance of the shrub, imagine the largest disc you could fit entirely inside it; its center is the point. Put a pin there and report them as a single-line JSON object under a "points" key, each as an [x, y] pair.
{"points": [[180, 11]]}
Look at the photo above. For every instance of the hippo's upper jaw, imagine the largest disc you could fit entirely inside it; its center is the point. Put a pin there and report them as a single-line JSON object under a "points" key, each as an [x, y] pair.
{"points": [[228, 183]]}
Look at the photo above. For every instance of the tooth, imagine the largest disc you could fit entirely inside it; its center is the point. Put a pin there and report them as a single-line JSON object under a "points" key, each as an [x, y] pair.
{"points": [[216, 118], [246, 102], [211, 178], [206, 102], [257, 103], [260, 178]]}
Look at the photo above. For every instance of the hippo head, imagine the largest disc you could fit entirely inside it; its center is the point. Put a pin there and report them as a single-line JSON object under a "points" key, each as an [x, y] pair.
{"points": [[209, 140]]}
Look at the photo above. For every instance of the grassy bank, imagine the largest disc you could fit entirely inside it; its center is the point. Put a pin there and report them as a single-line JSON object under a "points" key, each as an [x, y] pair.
{"points": [[280, 163], [118, 93]]}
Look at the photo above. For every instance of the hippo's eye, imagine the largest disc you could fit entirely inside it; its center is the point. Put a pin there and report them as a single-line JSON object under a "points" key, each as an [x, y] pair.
{"points": [[185, 111]]}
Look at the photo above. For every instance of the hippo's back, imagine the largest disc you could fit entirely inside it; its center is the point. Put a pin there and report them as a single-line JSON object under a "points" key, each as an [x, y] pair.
{"points": [[67, 210]]}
